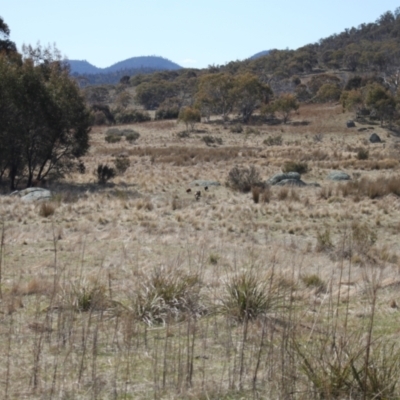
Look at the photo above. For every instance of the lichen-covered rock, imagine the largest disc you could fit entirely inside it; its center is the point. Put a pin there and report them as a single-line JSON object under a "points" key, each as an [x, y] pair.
{"points": [[374, 138], [291, 182], [33, 194], [283, 176], [338, 176]]}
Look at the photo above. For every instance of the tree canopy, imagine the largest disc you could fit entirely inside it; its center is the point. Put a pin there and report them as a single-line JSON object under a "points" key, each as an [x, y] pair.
{"points": [[44, 123]]}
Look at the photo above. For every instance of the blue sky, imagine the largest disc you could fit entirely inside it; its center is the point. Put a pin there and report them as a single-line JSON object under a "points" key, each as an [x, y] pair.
{"points": [[189, 32]]}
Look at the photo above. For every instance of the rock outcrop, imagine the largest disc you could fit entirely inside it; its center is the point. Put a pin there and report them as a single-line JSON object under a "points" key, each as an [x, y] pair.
{"points": [[33, 194]]}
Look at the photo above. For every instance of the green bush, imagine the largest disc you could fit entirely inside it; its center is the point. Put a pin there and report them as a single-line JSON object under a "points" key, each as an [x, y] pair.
{"points": [[129, 116], [190, 117], [113, 138], [113, 131], [293, 166], [167, 113], [131, 135]]}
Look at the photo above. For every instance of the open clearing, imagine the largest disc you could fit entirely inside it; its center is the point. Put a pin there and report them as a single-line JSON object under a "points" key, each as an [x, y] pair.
{"points": [[76, 283]]}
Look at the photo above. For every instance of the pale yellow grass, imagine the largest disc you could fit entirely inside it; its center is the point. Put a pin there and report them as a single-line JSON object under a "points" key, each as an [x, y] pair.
{"points": [[113, 236]]}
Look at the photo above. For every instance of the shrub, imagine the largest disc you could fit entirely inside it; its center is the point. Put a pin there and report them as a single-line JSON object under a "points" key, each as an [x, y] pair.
{"points": [[273, 141], [293, 166], [104, 173], [131, 135], [113, 138], [81, 167], [113, 131], [129, 116], [167, 113], [362, 154], [122, 164], [98, 118], [209, 140], [237, 128], [190, 117], [243, 179]]}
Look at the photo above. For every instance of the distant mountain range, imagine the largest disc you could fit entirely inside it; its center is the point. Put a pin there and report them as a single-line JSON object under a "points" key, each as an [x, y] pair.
{"points": [[145, 62], [136, 65]]}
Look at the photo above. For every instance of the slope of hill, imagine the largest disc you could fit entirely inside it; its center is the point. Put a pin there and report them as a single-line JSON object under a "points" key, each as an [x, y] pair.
{"points": [[82, 67], [259, 54]]}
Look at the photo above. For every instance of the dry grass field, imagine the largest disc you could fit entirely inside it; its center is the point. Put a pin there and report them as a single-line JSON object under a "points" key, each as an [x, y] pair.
{"points": [[136, 290]]}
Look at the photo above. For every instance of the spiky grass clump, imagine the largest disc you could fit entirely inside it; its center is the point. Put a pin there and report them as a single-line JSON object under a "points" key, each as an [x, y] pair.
{"points": [[340, 368], [248, 296], [85, 296], [168, 294]]}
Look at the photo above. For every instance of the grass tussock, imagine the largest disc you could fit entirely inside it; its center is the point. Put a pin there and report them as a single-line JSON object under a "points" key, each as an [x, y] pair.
{"points": [[168, 294], [248, 296], [85, 296], [261, 194], [47, 209], [371, 188]]}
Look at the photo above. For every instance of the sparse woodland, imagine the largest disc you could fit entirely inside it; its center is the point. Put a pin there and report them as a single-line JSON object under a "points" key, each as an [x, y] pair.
{"points": [[143, 278]]}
